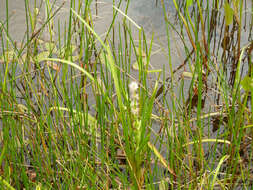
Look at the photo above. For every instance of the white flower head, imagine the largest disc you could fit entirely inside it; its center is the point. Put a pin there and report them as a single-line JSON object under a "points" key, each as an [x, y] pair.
{"points": [[134, 97], [133, 86]]}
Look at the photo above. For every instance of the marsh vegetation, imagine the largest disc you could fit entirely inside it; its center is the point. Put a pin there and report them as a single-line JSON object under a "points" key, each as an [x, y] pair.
{"points": [[83, 110]]}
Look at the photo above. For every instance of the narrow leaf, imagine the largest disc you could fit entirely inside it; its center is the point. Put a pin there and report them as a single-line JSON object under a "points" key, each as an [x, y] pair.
{"points": [[247, 83], [72, 65], [229, 12], [224, 158], [161, 159]]}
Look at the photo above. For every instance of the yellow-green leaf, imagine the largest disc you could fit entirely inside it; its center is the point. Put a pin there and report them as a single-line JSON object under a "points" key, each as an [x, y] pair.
{"points": [[247, 83], [160, 157], [162, 185], [189, 3], [229, 13]]}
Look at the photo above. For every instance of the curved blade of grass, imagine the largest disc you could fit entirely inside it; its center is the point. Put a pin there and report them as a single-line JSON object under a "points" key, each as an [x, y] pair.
{"points": [[161, 159], [91, 119], [224, 158], [208, 140], [112, 66], [77, 67], [247, 126], [115, 77], [88, 26], [204, 116], [137, 26], [154, 71], [72, 65]]}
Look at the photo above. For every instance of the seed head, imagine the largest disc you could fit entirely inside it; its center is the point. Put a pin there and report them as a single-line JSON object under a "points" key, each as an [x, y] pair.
{"points": [[133, 86], [134, 97]]}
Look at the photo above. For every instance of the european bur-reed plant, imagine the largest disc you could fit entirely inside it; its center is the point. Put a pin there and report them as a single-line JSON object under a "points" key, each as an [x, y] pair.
{"points": [[135, 161], [72, 119], [138, 156], [139, 134], [136, 134]]}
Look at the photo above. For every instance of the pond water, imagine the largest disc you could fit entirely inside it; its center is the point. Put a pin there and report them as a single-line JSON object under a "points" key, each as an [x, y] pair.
{"points": [[144, 12]]}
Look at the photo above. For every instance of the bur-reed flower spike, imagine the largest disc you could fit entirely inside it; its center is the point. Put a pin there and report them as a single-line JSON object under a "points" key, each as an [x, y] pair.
{"points": [[134, 97]]}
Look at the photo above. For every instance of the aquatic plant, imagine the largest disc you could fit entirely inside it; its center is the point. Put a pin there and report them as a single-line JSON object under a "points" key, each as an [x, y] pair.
{"points": [[84, 110]]}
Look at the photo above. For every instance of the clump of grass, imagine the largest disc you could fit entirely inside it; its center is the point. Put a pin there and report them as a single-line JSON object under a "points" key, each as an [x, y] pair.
{"points": [[72, 118]]}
